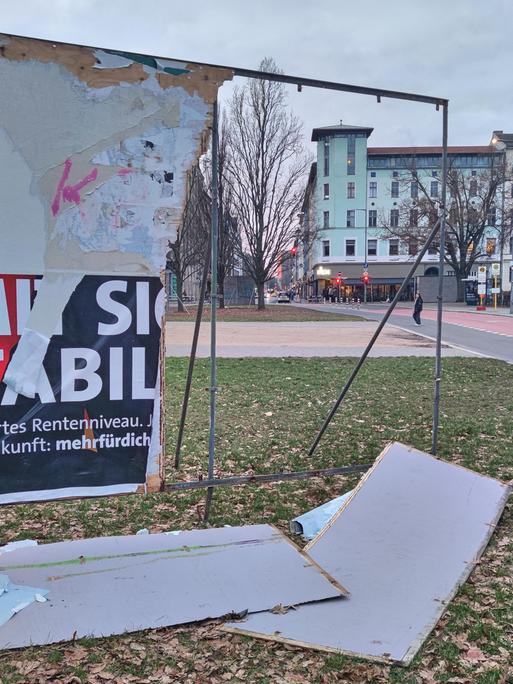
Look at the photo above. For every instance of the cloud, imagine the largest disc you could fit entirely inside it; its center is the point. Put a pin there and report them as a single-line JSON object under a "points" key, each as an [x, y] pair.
{"points": [[460, 49]]}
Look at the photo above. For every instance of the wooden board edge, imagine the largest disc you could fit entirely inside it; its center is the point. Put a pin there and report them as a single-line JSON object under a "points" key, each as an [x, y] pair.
{"points": [[347, 502], [456, 465], [471, 565], [278, 638], [314, 563]]}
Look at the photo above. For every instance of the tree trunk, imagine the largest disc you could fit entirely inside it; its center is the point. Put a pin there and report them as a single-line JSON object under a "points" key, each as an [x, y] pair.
{"points": [[260, 292], [461, 290], [220, 291], [179, 291]]}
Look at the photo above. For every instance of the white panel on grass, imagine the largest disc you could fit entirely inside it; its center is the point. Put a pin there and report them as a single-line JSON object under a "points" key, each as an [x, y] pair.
{"points": [[112, 585], [402, 545]]}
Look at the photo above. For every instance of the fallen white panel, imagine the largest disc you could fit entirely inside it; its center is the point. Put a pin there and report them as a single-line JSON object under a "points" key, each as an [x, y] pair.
{"points": [[403, 543], [111, 585]]}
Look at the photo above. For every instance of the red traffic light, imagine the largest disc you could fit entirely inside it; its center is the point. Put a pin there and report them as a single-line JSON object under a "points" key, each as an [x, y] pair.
{"points": [[293, 251], [365, 278]]}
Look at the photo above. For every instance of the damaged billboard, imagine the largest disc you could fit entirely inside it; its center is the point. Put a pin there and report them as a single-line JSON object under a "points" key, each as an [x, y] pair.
{"points": [[96, 146]]}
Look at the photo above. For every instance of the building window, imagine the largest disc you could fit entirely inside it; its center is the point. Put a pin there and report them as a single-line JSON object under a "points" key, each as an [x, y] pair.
{"points": [[351, 190], [472, 190], [325, 248], [434, 189], [372, 247], [326, 190], [491, 246], [393, 247], [373, 189], [413, 246], [351, 140], [350, 248], [373, 174], [326, 219], [395, 174], [394, 217], [414, 190], [414, 217], [373, 218], [394, 190], [434, 174], [326, 157], [350, 218], [491, 216], [473, 173]]}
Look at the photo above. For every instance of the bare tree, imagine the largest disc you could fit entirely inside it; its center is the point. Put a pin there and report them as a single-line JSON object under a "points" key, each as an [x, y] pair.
{"points": [[228, 232], [265, 170], [471, 213], [187, 254]]}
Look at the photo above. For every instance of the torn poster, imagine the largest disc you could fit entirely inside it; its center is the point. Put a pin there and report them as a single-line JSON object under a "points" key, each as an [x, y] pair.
{"points": [[98, 145]]}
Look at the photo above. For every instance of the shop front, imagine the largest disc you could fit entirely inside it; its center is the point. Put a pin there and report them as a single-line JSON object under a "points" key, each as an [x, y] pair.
{"points": [[384, 282]]}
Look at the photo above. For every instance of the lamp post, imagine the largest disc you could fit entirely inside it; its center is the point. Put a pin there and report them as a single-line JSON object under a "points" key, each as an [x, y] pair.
{"points": [[501, 146]]}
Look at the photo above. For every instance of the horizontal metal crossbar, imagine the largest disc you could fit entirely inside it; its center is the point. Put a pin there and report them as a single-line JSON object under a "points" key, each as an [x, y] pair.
{"points": [[262, 479], [283, 78]]}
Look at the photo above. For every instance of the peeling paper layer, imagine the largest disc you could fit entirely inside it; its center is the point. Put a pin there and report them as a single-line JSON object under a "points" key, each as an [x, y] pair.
{"points": [[16, 597], [110, 171]]}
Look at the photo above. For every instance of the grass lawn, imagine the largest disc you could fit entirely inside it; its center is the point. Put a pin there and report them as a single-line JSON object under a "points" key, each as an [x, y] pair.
{"points": [[269, 411], [272, 313]]}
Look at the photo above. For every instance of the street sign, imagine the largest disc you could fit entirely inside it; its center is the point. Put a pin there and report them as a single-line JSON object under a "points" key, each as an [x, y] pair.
{"points": [[481, 288], [495, 290], [496, 269], [481, 274], [365, 266]]}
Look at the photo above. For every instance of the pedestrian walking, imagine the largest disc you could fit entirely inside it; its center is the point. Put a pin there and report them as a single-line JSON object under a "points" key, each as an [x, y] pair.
{"points": [[417, 308]]}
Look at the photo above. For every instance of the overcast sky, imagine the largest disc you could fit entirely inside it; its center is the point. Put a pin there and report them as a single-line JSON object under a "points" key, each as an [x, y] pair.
{"points": [[459, 49]]}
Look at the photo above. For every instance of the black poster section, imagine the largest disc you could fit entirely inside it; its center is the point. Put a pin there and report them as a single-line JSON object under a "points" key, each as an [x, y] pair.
{"points": [[90, 425]]}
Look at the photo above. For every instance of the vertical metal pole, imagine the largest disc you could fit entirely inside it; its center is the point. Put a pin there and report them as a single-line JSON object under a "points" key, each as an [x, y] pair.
{"points": [[438, 356], [503, 225], [366, 257], [192, 360], [380, 327], [213, 311]]}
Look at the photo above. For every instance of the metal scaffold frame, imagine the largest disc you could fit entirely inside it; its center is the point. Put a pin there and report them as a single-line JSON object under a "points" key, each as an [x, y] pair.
{"points": [[439, 228]]}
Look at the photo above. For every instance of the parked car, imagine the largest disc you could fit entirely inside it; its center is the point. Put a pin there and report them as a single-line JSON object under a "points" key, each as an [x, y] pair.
{"points": [[283, 298]]}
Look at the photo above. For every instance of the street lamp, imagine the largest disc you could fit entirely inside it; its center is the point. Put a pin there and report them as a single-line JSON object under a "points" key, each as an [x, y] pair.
{"points": [[500, 145]]}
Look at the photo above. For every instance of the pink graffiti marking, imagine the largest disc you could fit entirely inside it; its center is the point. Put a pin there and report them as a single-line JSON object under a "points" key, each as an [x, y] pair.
{"points": [[70, 193], [125, 171]]}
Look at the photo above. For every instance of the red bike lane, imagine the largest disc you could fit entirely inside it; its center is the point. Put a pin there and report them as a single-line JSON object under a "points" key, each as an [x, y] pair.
{"points": [[498, 324]]}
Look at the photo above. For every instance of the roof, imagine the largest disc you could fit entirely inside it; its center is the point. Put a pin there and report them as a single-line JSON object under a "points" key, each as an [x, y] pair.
{"points": [[412, 151], [504, 137], [325, 131]]}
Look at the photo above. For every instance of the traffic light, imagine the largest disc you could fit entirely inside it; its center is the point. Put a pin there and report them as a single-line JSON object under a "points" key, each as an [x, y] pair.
{"points": [[293, 251], [365, 278], [338, 281]]}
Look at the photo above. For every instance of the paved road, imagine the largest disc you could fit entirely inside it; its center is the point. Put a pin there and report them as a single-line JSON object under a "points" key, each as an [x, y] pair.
{"points": [[296, 338], [484, 334]]}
